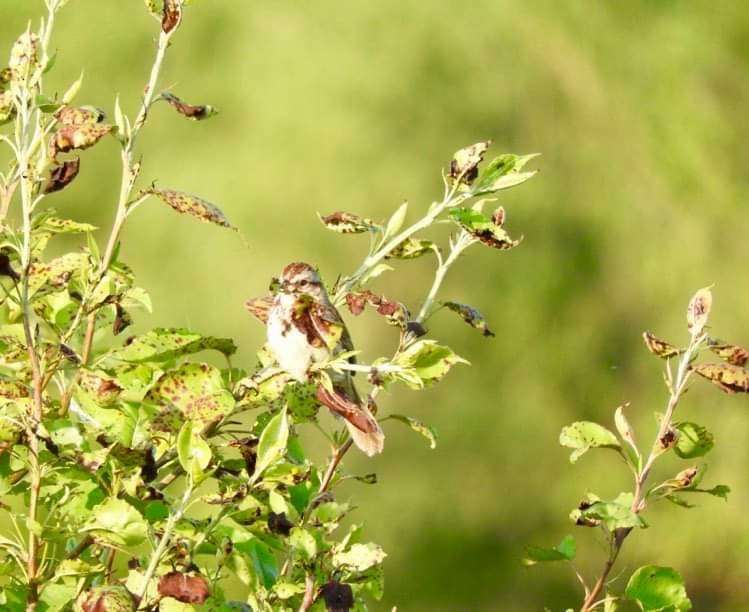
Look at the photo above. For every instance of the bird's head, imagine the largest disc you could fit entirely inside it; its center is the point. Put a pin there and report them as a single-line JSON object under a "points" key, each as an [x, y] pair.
{"points": [[301, 279]]}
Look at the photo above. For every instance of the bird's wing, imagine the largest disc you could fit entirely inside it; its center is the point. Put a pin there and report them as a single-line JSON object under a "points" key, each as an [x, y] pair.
{"points": [[329, 326], [259, 307]]}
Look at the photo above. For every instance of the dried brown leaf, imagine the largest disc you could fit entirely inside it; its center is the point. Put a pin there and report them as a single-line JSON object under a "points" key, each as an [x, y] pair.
{"points": [[62, 175]]}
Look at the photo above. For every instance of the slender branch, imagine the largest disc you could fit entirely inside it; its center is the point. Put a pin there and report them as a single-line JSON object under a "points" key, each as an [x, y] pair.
{"points": [[309, 593], [677, 387], [163, 544]]}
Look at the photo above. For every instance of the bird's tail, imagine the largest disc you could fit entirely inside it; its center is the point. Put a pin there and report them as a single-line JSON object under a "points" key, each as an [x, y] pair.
{"points": [[364, 429]]}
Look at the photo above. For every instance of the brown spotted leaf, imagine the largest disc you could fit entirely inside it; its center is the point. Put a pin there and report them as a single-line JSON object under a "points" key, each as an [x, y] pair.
{"points": [[659, 347], [190, 392], [394, 312], [164, 344], [194, 112], [184, 587], [471, 316], [69, 137], [24, 57], [76, 116], [731, 353], [172, 15], [62, 175], [104, 389], [347, 223], [729, 378], [698, 310], [464, 166], [113, 598], [192, 205], [483, 228]]}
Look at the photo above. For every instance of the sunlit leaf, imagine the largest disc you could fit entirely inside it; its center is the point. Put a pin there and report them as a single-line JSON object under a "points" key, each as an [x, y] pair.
{"points": [[194, 112], [564, 551], [428, 360], [272, 445], [658, 588], [698, 310], [165, 344], [730, 353], [193, 451], [503, 172], [660, 348], [192, 205], [359, 557], [465, 162], [727, 377], [347, 223], [584, 435], [117, 522]]}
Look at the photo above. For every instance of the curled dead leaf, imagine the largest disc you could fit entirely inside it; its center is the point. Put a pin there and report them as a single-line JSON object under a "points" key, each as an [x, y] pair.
{"points": [[727, 377], [464, 166], [184, 587], [62, 175], [194, 112], [659, 347]]}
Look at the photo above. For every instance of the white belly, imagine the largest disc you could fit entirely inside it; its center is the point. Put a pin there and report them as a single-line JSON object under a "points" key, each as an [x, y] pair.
{"points": [[290, 346]]}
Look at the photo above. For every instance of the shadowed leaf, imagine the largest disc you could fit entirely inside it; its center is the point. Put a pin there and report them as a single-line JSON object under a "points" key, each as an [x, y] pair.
{"points": [[420, 428], [564, 551], [184, 587], [338, 597], [62, 175], [471, 316], [694, 440]]}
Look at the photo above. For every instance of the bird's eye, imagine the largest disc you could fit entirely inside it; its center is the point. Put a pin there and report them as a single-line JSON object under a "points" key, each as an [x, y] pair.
{"points": [[303, 283]]}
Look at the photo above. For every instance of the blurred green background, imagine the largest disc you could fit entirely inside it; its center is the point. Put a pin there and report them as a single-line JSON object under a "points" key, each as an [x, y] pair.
{"points": [[639, 109]]}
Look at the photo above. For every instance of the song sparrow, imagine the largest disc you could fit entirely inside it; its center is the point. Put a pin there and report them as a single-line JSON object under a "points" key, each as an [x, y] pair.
{"points": [[304, 328]]}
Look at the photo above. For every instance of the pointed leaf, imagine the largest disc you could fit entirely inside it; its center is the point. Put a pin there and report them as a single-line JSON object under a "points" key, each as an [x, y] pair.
{"points": [[117, 522], [411, 248], [196, 113], [465, 162], [429, 361], [628, 435], [698, 310], [471, 316], [564, 551], [660, 348], [193, 451], [192, 205], [730, 353], [272, 445], [503, 172], [165, 344], [347, 223], [421, 428], [359, 557], [584, 435], [396, 221]]}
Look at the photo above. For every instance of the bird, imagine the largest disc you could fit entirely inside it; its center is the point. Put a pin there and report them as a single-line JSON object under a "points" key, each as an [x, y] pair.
{"points": [[304, 328]]}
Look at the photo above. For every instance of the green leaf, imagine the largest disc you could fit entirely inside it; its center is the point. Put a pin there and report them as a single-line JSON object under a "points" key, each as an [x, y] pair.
{"points": [[303, 542], [429, 361], [471, 316], [55, 225], [694, 440], [56, 596], [658, 588], [411, 248], [584, 435], [421, 428], [272, 445], [615, 514], [193, 451], [395, 222], [359, 557], [503, 172], [165, 344], [192, 205], [564, 551], [628, 435], [482, 228], [116, 522]]}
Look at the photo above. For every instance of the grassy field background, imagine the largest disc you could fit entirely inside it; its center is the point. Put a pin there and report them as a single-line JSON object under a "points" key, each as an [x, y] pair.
{"points": [[639, 110]]}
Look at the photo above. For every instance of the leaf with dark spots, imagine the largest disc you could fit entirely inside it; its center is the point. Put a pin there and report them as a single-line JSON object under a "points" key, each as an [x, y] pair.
{"points": [[104, 389], [191, 392], [11, 389], [6, 269], [698, 310], [69, 137], [192, 205], [184, 587], [194, 112], [278, 523], [172, 15], [659, 347], [471, 316], [338, 596], [464, 166], [730, 353], [483, 228], [395, 312], [248, 449], [729, 378], [113, 598], [54, 225], [347, 223], [411, 248], [77, 116], [165, 344], [259, 307], [62, 175]]}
